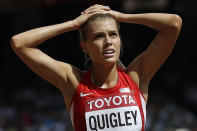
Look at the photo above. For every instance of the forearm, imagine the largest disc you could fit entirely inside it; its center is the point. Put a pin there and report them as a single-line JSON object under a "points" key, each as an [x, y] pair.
{"points": [[158, 21], [34, 37]]}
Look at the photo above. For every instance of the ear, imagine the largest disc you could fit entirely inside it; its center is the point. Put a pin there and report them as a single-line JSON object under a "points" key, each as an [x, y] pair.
{"points": [[83, 46]]}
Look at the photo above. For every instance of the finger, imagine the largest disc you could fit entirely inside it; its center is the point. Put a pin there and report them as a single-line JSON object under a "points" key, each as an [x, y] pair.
{"points": [[104, 7], [93, 12], [97, 7], [87, 10], [101, 6]]}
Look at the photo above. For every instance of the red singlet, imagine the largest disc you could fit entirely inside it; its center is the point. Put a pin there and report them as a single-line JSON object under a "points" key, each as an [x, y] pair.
{"points": [[121, 108]]}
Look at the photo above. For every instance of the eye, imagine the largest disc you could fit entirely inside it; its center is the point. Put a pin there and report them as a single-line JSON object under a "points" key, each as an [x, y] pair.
{"points": [[114, 34], [99, 36]]}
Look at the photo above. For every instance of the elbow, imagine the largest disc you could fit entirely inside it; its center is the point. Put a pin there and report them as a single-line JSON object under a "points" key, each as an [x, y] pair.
{"points": [[175, 22], [14, 41]]}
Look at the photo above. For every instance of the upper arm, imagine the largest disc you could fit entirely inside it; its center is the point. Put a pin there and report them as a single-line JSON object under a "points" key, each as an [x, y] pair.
{"points": [[53, 71], [148, 63], [156, 54]]}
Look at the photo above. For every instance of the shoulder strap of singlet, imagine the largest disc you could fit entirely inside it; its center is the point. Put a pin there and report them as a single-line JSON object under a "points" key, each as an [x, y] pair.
{"points": [[131, 82], [79, 87]]}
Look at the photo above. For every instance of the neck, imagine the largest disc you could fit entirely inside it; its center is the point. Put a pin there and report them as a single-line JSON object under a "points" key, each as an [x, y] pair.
{"points": [[104, 77]]}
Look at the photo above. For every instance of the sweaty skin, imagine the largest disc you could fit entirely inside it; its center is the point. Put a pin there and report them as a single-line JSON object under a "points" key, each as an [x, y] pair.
{"points": [[66, 77]]}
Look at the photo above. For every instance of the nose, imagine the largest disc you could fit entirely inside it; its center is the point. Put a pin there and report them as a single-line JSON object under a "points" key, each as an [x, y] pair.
{"points": [[108, 40]]}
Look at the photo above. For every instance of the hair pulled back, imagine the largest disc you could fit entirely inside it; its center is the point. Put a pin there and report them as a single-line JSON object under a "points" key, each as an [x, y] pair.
{"points": [[83, 30]]}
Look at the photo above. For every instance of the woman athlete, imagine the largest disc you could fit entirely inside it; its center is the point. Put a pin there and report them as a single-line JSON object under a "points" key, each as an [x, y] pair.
{"points": [[104, 97]]}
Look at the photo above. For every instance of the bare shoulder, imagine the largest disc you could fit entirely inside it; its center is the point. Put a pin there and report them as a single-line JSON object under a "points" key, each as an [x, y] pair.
{"points": [[142, 85], [74, 75], [134, 75], [134, 71]]}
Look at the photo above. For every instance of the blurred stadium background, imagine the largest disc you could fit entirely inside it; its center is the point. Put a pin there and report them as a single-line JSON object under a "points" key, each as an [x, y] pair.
{"points": [[29, 103]]}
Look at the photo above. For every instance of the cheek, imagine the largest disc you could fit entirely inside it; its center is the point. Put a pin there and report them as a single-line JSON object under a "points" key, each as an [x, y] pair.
{"points": [[117, 44], [94, 49], [118, 47]]}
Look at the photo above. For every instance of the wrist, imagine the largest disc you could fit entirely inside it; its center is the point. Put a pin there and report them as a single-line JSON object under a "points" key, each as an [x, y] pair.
{"points": [[75, 25], [124, 17]]}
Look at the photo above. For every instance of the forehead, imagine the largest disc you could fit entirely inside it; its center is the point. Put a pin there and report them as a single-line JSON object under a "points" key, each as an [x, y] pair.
{"points": [[102, 25]]}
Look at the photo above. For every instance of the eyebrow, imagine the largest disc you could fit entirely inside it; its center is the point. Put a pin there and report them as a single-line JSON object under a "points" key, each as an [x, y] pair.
{"points": [[111, 31]]}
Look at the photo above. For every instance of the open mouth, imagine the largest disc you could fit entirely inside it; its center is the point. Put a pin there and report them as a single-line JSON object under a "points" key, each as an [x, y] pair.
{"points": [[108, 53]]}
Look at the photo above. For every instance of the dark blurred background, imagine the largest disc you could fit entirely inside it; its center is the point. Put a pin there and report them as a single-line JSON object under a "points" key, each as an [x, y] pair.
{"points": [[29, 103]]}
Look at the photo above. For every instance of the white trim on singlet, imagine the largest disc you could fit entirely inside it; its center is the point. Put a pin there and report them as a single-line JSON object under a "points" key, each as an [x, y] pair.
{"points": [[72, 113], [143, 106]]}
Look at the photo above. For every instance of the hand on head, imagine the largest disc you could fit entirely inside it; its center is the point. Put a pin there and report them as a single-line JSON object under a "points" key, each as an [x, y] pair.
{"points": [[96, 9], [93, 10], [86, 14]]}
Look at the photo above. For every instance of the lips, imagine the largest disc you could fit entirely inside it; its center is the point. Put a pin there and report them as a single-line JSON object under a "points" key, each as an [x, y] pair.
{"points": [[108, 53]]}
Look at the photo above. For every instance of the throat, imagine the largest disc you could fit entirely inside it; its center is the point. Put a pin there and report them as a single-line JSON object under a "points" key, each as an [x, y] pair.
{"points": [[106, 83]]}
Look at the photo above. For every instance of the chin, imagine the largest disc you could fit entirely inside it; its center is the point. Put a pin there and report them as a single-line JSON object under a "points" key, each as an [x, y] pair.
{"points": [[109, 61], [103, 61]]}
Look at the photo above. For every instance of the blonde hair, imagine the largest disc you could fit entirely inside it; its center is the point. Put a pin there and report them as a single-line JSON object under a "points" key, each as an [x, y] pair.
{"points": [[83, 29], [82, 36]]}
